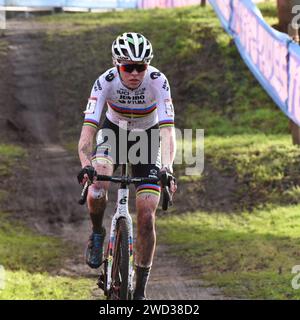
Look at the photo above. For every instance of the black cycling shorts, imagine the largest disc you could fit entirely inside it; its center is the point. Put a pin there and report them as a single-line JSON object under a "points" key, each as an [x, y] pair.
{"points": [[140, 148]]}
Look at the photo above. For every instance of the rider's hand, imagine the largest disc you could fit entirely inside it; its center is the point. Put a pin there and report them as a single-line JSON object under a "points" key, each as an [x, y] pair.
{"points": [[173, 184], [86, 173]]}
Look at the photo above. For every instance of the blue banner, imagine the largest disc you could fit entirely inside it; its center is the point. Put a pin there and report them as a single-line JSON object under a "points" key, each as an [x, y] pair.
{"points": [[34, 3], [91, 3], [127, 4], [71, 3], [110, 4], [270, 55]]}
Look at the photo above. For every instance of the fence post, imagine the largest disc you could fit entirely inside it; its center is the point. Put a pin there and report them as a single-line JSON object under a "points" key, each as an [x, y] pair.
{"points": [[203, 3], [294, 128]]}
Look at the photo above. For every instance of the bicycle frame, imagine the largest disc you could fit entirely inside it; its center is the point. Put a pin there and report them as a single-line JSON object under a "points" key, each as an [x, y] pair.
{"points": [[120, 212]]}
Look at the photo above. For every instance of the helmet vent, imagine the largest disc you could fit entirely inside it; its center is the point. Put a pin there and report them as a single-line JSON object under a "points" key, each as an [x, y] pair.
{"points": [[124, 52]]}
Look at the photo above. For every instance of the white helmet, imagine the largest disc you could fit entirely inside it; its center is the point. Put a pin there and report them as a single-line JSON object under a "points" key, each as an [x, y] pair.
{"points": [[132, 46]]}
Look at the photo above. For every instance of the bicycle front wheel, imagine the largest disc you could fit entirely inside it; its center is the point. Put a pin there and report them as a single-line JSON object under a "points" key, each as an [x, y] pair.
{"points": [[120, 266]]}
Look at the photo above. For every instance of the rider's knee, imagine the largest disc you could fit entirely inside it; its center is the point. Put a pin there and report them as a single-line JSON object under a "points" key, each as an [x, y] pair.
{"points": [[147, 205], [146, 219], [97, 194]]}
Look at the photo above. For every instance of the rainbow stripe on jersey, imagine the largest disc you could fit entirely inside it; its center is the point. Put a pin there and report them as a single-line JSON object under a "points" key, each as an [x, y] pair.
{"points": [[132, 112], [166, 123], [91, 123]]}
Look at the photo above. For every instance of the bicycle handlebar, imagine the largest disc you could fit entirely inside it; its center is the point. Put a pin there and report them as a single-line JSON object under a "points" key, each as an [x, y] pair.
{"points": [[127, 180], [165, 180]]}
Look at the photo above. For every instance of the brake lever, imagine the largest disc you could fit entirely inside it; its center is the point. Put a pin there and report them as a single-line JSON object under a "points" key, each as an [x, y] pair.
{"points": [[166, 179], [84, 192]]}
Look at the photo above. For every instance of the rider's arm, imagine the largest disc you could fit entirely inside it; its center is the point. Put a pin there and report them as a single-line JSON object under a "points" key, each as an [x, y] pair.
{"points": [[85, 145], [91, 120], [168, 147], [165, 111]]}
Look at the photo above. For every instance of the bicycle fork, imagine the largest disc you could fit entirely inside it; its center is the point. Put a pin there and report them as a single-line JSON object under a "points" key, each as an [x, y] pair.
{"points": [[121, 212]]}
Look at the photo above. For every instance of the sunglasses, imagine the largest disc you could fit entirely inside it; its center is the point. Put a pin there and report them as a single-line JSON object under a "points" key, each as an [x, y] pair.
{"points": [[130, 67]]}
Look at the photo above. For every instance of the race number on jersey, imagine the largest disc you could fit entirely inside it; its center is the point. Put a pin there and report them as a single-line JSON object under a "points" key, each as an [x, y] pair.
{"points": [[91, 106]]}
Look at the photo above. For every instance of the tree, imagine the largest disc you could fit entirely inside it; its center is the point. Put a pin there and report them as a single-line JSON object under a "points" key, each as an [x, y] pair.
{"points": [[285, 13]]}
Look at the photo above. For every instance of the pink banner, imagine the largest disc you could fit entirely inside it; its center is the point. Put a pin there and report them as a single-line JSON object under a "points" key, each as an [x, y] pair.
{"points": [[224, 7], [147, 4], [264, 48], [271, 55]]}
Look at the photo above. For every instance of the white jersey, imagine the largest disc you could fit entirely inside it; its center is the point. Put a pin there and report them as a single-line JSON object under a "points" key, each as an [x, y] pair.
{"points": [[139, 108]]}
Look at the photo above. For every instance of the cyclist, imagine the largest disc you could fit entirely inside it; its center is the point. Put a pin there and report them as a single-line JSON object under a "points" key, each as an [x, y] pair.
{"points": [[138, 101]]}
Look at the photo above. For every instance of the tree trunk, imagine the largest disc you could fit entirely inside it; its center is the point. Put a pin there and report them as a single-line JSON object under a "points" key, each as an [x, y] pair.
{"points": [[285, 13], [203, 3]]}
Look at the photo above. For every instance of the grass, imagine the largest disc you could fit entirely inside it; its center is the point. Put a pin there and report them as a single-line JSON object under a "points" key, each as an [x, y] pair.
{"points": [[250, 250], [3, 48], [222, 103], [71, 147], [246, 255], [260, 158], [257, 169], [250, 253], [22, 285], [267, 166], [9, 156], [27, 250], [269, 12], [30, 259]]}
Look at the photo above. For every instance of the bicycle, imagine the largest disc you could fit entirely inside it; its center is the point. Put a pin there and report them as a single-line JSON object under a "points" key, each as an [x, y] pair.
{"points": [[116, 280]]}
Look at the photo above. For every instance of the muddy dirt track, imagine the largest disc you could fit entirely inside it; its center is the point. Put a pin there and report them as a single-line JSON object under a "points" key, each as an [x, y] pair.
{"points": [[47, 198]]}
